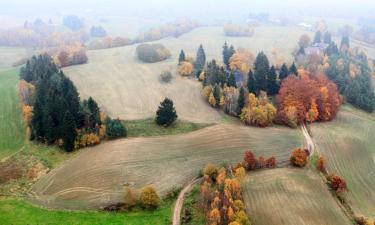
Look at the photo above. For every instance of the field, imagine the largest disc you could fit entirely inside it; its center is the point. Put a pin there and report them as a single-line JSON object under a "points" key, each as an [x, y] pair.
{"points": [[291, 197], [130, 89], [10, 55], [98, 175], [19, 212], [348, 144], [12, 129]]}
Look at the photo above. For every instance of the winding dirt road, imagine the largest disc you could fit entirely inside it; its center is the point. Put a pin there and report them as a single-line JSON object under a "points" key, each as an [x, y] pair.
{"points": [[180, 201], [310, 143]]}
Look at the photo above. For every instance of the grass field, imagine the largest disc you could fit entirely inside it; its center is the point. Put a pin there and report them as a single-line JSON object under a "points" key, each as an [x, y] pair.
{"points": [[98, 175], [19, 212], [131, 90], [292, 197], [12, 129], [348, 143], [9, 55]]}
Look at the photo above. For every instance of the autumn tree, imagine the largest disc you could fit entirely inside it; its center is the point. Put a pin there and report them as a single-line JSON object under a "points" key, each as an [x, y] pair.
{"points": [[129, 198], [337, 183], [166, 113], [299, 158], [321, 164], [185, 69], [149, 198], [250, 160], [304, 41], [241, 60], [258, 112]]}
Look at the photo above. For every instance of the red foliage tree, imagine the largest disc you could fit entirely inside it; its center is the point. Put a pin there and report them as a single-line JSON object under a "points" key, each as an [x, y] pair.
{"points": [[337, 183], [321, 164], [250, 160], [271, 162], [298, 158]]}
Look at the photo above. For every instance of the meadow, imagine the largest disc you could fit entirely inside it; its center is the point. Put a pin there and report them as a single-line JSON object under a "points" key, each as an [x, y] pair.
{"points": [[290, 196], [349, 146]]}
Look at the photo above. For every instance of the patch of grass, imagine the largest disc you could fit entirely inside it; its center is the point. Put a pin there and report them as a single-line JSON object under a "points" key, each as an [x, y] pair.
{"points": [[12, 128], [17, 211], [192, 213], [148, 127]]}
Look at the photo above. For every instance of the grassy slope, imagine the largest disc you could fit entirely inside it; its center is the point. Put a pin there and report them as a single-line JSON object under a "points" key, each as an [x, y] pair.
{"points": [[290, 196], [9, 55], [12, 129], [348, 144], [98, 175], [16, 212]]}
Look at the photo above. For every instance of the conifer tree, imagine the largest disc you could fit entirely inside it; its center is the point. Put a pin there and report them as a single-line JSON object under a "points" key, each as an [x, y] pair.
{"points": [[217, 94], [225, 54], [68, 131], [182, 57], [232, 80], [284, 72], [273, 86], [327, 38], [293, 69], [318, 37], [261, 70], [251, 84], [345, 42], [241, 100], [166, 113], [200, 60]]}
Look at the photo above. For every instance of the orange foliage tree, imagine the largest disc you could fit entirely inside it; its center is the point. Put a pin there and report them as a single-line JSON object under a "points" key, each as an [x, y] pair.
{"points": [[311, 97], [338, 184], [299, 158]]}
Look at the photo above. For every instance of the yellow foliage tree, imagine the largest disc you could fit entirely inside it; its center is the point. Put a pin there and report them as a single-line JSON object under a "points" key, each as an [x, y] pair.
{"points": [[212, 100], [241, 60], [185, 69], [149, 198], [258, 112]]}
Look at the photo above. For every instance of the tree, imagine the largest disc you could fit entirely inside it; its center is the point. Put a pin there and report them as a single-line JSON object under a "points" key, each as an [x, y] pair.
{"points": [[115, 128], [241, 100], [304, 41], [181, 57], [149, 198], [211, 171], [250, 160], [251, 84], [185, 69], [68, 131], [318, 37], [293, 69], [298, 158], [261, 71], [166, 113], [327, 38], [321, 164], [241, 61], [272, 84], [345, 42], [227, 54], [258, 112], [232, 80], [152, 52], [338, 184], [97, 31], [129, 198], [200, 60], [284, 72], [73, 22]]}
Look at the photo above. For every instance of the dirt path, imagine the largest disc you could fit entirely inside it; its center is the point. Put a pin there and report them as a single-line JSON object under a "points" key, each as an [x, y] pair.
{"points": [[180, 201], [310, 143]]}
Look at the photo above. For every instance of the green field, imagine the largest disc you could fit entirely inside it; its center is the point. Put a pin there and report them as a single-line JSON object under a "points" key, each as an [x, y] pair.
{"points": [[19, 212], [348, 143], [10, 55], [12, 129], [290, 196]]}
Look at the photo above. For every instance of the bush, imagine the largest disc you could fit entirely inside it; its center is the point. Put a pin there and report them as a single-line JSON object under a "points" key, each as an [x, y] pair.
{"points": [[211, 171], [298, 158], [149, 198], [115, 129], [338, 184], [129, 198], [185, 69], [321, 164], [166, 76], [166, 114], [152, 53]]}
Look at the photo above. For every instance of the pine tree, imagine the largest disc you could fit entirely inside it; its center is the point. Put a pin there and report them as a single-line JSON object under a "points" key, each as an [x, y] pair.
{"points": [[273, 86], [182, 57], [284, 72], [318, 37], [251, 84], [68, 131], [261, 70], [327, 38], [345, 42], [217, 94], [293, 69], [166, 113], [200, 60], [232, 81], [225, 54], [241, 100]]}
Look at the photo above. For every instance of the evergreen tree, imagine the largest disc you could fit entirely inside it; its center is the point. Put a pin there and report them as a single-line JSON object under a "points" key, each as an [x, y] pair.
{"points": [[318, 37], [284, 72], [293, 69], [232, 80], [182, 57], [241, 100], [332, 49], [166, 113], [114, 128], [217, 94], [227, 54], [327, 38], [68, 131], [345, 42], [251, 84], [200, 60], [261, 70], [273, 86]]}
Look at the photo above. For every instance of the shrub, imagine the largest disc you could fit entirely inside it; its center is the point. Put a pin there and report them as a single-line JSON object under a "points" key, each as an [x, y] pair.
{"points": [[129, 198], [152, 53], [185, 69], [321, 164], [149, 198], [271, 162], [166, 76], [115, 129], [241, 218], [250, 160], [211, 171], [337, 183], [298, 158], [166, 114]]}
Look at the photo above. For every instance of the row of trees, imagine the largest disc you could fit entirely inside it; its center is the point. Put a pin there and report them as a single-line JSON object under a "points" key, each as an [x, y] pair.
{"points": [[152, 52], [58, 115], [236, 30]]}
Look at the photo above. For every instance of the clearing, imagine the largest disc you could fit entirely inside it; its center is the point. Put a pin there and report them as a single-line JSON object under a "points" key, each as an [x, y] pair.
{"points": [[290, 196], [98, 175], [348, 144]]}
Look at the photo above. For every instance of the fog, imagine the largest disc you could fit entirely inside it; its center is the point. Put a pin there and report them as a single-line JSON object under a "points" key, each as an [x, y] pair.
{"points": [[197, 9]]}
